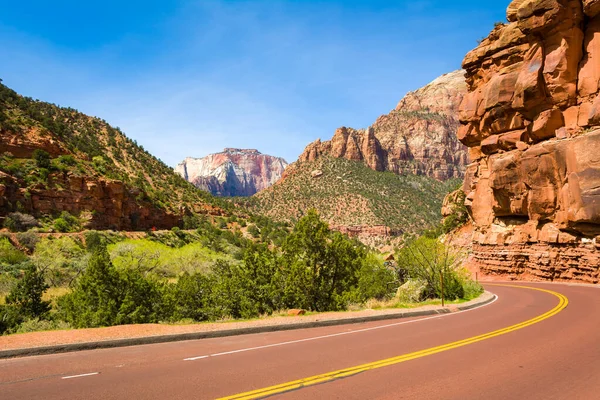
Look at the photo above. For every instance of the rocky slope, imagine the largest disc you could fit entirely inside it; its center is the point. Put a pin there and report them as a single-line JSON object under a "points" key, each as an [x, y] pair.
{"points": [[417, 137], [354, 199], [92, 168], [233, 172], [531, 121]]}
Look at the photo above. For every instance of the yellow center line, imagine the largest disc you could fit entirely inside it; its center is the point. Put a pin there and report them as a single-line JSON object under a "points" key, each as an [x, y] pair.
{"points": [[330, 376]]}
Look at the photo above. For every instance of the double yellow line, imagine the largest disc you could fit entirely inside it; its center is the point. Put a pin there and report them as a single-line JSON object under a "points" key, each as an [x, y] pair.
{"points": [[342, 373]]}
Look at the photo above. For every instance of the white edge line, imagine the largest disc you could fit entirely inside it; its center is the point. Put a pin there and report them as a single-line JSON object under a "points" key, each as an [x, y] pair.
{"points": [[80, 376], [338, 334]]}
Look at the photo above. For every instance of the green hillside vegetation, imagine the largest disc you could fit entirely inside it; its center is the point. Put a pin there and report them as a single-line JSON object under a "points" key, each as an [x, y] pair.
{"points": [[95, 149], [113, 280], [349, 193]]}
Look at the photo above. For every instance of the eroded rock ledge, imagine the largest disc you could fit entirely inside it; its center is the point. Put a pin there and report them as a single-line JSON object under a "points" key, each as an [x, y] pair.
{"points": [[530, 121]]}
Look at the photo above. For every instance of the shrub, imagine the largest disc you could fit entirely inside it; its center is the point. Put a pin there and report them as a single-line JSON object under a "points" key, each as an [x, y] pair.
{"points": [[375, 281], [67, 223], [104, 296], [42, 158], [191, 222], [26, 296], [431, 261], [37, 325], [9, 254], [190, 298], [62, 259], [67, 160], [19, 222], [28, 239], [94, 300], [253, 231], [9, 318]]}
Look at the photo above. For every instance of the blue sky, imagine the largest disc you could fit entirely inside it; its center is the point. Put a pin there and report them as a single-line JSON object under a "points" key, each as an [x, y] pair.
{"points": [[188, 78]]}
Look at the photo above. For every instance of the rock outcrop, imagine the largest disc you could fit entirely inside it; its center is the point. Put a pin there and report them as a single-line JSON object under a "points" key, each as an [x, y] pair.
{"points": [[234, 172], [529, 120], [110, 203], [417, 137]]}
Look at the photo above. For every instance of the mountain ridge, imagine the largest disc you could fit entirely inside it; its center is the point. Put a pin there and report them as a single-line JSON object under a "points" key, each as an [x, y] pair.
{"points": [[232, 172], [417, 137]]}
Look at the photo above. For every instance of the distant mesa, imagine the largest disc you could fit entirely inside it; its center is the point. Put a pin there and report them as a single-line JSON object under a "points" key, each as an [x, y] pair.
{"points": [[233, 172]]}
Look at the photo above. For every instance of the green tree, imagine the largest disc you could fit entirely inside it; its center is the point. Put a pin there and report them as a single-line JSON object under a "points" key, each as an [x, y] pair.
{"points": [[191, 298], [95, 298], [320, 266], [26, 296], [257, 275]]}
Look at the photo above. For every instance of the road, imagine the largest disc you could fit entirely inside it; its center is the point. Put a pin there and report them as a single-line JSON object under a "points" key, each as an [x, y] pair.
{"points": [[528, 344]]}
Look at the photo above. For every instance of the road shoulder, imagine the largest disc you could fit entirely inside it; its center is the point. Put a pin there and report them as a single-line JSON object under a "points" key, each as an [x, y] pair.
{"points": [[51, 342]]}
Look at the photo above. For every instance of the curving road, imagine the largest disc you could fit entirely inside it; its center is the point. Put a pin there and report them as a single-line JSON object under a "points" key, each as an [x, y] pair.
{"points": [[529, 344]]}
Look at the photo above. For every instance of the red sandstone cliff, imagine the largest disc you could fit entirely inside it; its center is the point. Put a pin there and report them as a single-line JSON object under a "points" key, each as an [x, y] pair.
{"points": [[233, 172], [417, 137], [530, 121]]}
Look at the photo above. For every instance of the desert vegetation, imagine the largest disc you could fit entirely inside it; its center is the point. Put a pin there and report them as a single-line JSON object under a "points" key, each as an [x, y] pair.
{"points": [[208, 274], [349, 193]]}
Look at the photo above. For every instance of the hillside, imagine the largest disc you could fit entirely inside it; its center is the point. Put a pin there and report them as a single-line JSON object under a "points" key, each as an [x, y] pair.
{"points": [[84, 165], [233, 172], [417, 137], [354, 198]]}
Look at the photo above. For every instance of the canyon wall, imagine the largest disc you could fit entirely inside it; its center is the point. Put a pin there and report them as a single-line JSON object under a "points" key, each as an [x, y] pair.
{"points": [[110, 204], [531, 122], [417, 137], [233, 172]]}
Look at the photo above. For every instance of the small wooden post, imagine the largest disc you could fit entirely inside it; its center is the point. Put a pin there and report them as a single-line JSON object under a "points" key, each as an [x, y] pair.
{"points": [[442, 287]]}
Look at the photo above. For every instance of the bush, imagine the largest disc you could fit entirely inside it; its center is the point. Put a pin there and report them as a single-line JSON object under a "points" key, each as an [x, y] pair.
{"points": [[67, 223], [67, 160], [37, 325], [28, 240], [253, 231], [42, 158], [95, 296], [431, 261], [62, 260], [19, 222], [26, 296], [9, 254], [191, 222], [375, 281], [190, 298], [104, 296], [9, 318]]}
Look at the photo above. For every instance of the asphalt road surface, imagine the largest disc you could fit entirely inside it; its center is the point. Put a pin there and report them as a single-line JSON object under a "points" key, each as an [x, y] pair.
{"points": [[528, 344]]}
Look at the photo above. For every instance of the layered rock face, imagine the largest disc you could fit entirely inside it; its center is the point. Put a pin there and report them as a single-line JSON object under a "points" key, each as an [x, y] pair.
{"points": [[111, 203], [417, 137], [234, 172], [529, 120]]}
